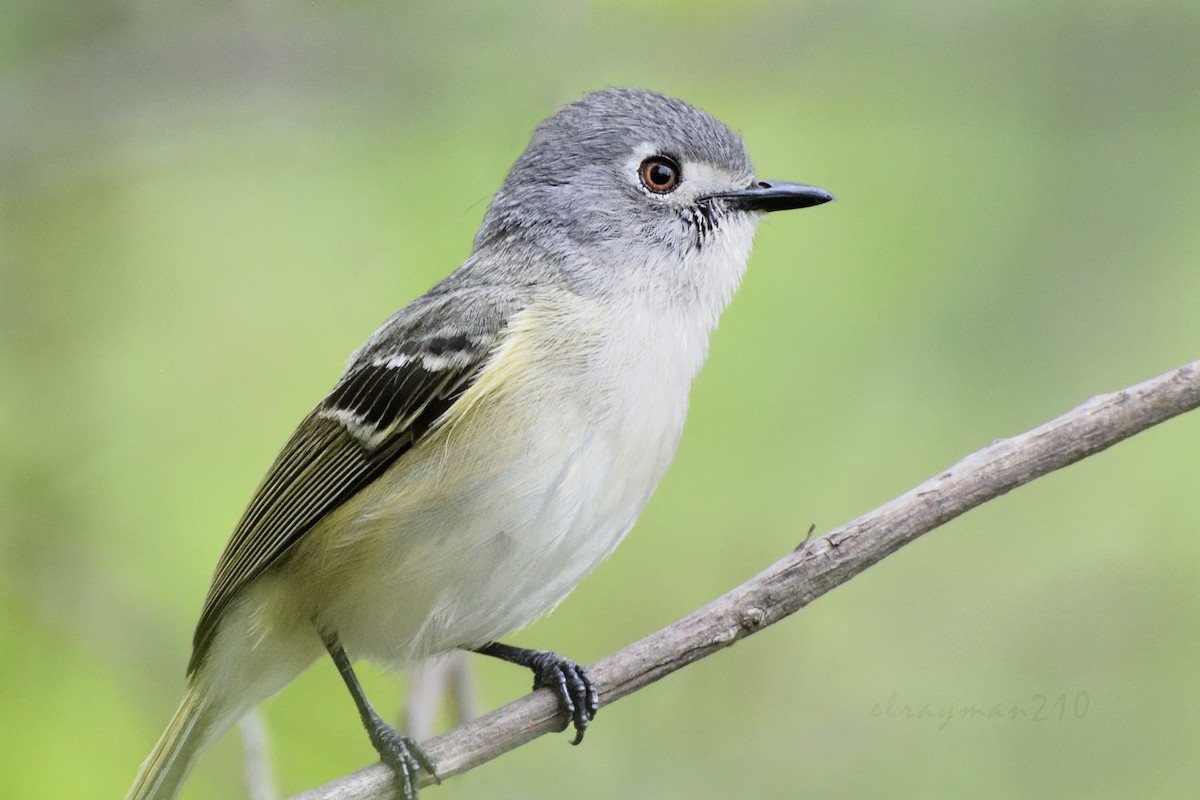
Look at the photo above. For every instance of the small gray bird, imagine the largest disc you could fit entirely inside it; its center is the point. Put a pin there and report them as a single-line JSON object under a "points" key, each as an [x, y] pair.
{"points": [[495, 439]]}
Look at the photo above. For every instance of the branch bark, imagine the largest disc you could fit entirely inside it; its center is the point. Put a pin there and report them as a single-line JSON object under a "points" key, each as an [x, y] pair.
{"points": [[809, 572]]}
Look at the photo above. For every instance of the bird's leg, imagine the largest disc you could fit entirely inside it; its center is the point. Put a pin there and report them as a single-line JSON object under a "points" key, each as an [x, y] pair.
{"points": [[396, 750], [570, 681]]}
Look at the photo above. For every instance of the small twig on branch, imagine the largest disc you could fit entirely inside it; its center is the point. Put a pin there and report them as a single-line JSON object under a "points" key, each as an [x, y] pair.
{"points": [[812, 570]]}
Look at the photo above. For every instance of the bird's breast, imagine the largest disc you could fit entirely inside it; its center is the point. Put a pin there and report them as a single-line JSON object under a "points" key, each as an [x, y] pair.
{"points": [[530, 481]]}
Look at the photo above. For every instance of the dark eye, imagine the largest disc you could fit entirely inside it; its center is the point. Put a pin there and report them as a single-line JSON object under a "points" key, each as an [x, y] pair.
{"points": [[659, 174]]}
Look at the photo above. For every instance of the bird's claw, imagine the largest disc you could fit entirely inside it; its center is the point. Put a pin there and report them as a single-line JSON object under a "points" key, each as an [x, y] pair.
{"points": [[572, 684], [406, 759]]}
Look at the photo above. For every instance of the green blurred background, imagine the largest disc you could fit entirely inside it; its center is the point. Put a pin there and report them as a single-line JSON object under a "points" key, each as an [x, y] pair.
{"points": [[205, 207]]}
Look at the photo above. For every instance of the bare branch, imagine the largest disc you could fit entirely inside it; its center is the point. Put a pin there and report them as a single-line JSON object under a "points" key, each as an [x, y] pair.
{"points": [[260, 782], [438, 678], [812, 570]]}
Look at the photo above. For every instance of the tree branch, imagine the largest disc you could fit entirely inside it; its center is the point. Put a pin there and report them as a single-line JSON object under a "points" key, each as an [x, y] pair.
{"points": [[809, 572]]}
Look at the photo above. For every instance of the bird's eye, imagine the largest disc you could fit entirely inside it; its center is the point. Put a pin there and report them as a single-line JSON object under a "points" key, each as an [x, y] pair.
{"points": [[659, 174]]}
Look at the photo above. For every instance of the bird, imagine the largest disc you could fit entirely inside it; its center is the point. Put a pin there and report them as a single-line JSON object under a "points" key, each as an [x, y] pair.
{"points": [[496, 438]]}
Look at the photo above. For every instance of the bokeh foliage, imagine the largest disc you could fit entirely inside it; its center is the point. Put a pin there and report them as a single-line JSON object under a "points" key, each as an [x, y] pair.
{"points": [[205, 207]]}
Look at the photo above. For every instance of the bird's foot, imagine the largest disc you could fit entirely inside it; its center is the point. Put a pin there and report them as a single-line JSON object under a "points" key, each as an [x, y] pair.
{"points": [[404, 756], [571, 683]]}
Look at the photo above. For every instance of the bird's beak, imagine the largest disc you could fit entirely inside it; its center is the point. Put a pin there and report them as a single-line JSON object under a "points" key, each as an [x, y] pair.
{"points": [[774, 196]]}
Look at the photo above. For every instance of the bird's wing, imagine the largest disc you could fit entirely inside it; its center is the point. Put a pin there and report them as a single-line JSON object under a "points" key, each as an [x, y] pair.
{"points": [[395, 389]]}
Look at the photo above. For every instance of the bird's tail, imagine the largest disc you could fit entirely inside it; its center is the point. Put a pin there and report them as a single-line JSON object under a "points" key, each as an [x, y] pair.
{"points": [[164, 770]]}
